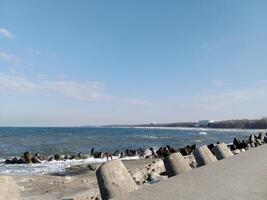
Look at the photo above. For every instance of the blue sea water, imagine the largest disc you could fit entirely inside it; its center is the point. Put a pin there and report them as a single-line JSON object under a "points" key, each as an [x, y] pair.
{"points": [[48, 141]]}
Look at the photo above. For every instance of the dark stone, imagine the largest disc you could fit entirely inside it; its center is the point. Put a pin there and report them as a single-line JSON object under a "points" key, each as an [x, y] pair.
{"points": [[51, 158], [98, 155], [184, 151], [36, 160], [27, 156], [251, 138], [81, 156], [8, 162], [237, 143], [211, 146], [171, 150], [92, 151], [154, 154], [122, 155], [57, 156], [232, 147], [116, 153], [261, 137]]}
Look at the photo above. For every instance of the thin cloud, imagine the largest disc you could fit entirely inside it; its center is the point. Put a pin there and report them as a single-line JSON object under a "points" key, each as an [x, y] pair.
{"points": [[89, 91], [230, 100], [6, 57], [135, 101], [6, 33]]}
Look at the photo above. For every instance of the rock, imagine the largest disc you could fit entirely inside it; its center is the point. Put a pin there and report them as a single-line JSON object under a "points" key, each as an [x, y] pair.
{"points": [[204, 156], [116, 153], [99, 155], [175, 164], [122, 155], [252, 145], [51, 158], [57, 157], [184, 151], [8, 189], [8, 162], [237, 151], [27, 156], [259, 142], [92, 151], [114, 180], [221, 151], [170, 149], [232, 147], [91, 167], [211, 146], [237, 143], [251, 138], [148, 152], [153, 152], [261, 137], [130, 152], [81, 156], [36, 160]]}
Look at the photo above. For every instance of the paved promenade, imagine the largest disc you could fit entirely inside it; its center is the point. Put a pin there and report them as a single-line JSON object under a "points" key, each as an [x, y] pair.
{"points": [[241, 177]]}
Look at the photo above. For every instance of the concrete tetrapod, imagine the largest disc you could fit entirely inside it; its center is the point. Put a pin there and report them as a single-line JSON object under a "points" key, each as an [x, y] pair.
{"points": [[114, 180], [176, 164], [221, 151], [204, 156], [8, 189]]}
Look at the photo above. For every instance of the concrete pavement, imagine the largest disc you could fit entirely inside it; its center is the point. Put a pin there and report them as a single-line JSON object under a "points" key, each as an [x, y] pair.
{"points": [[240, 177]]}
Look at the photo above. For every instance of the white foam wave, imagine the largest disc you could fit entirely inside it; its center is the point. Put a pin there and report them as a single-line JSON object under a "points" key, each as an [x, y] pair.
{"points": [[50, 167], [152, 137], [202, 133]]}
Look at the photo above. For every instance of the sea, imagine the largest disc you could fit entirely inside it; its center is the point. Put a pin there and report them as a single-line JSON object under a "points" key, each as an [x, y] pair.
{"points": [[48, 141]]}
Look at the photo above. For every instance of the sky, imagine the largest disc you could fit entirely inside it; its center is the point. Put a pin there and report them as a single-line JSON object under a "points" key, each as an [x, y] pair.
{"points": [[72, 63]]}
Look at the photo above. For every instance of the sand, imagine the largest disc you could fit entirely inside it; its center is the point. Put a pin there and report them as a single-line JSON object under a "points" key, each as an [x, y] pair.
{"points": [[79, 184]]}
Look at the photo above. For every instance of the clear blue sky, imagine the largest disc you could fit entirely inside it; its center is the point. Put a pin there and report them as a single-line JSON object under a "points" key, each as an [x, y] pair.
{"points": [[65, 63]]}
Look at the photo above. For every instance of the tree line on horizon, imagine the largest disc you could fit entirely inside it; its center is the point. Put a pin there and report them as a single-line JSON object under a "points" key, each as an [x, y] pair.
{"points": [[234, 124]]}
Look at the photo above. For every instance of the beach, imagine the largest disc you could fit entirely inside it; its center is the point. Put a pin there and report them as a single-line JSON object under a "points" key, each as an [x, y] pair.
{"points": [[80, 184]]}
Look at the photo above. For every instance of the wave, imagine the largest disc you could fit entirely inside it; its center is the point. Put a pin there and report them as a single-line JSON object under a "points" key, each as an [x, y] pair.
{"points": [[202, 133], [151, 137], [51, 167]]}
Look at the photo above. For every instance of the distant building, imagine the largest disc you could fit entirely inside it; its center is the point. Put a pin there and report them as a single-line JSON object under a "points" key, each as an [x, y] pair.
{"points": [[205, 123]]}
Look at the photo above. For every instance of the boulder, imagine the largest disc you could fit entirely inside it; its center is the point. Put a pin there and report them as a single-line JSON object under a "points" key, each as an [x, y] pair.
{"points": [[57, 157], [92, 151], [204, 156], [251, 138], [184, 151], [259, 142], [81, 156], [221, 151], [148, 152], [261, 137], [114, 180], [116, 153], [175, 164], [36, 160], [27, 157], [237, 151]]}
